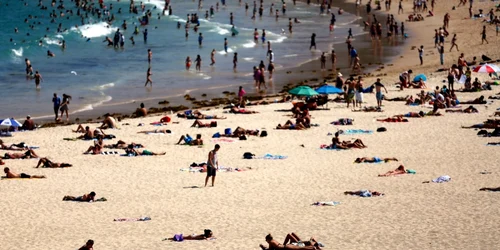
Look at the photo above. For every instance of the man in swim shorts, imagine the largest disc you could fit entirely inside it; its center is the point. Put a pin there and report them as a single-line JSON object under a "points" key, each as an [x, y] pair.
{"points": [[212, 164], [84, 198], [11, 175], [378, 92], [373, 159]]}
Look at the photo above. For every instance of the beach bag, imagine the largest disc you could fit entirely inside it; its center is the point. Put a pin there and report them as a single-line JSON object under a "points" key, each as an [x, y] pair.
{"points": [[228, 131], [248, 155], [243, 137], [216, 135], [165, 119], [381, 129], [263, 133], [213, 124]]}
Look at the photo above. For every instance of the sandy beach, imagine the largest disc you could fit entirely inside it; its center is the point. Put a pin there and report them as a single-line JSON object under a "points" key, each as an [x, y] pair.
{"points": [[275, 196]]}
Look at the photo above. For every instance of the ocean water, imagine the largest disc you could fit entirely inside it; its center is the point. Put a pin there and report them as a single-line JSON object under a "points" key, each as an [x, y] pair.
{"points": [[97, 75]]}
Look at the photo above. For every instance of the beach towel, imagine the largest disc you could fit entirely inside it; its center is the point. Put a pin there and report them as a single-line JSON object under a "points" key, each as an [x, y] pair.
{"points": [[493, 144], [5, 134], [326, 203], [355, 132], [271, 157], [133, 219], [110, 153], [411, 171], [328, 147], [442, 178], [222, 140]]}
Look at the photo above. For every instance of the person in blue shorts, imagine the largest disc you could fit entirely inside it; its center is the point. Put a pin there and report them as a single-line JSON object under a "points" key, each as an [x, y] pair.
{"points": [[378, 92], [188, 140]]}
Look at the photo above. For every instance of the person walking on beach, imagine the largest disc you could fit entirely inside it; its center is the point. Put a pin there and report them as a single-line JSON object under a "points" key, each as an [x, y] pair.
{"points": [[38, 79], [454, 42], [313, 41], [148, 77], [421, 54], [483, 36], [65, 106], [150, 56], [198, 62], [56, 100], [212, 57], [400, 9], [378, 92], [440, 49], [212, 164]]}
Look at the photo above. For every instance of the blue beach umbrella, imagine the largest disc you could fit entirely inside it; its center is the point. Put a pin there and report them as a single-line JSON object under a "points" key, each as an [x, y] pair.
{"points": [[303, 91], [10, 122], [327, 89], [420, 76]]}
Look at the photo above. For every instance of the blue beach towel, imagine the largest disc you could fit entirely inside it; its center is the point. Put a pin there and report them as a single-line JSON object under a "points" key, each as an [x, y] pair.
{"points": [[355, 131], [272, 157]]}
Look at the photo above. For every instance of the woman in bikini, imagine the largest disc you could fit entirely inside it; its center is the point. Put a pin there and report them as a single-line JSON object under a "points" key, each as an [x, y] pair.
{"points": [[46, 163], [84, 198], [98, 146], [373, 159], [398, 171], [17, 147], [292, 241], [26, 155]]}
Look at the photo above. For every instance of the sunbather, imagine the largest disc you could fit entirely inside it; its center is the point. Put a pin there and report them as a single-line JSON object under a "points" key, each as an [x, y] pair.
{"points": [[26, 155], [236, 110], [343, 121], [289, 125], [479, 100], [11, 175], [468, 110], [411, 114], [369, 109], [207, 235], [134, 152], [122, 145], [204, 125], [487, 124], [84, 198], [292, 241], [196, 114], [189, 140], [336, 143], [364, 193], [109, 122], [497, 189], [373, 159], [393, 119], [88, 246], [398, 99], [356, 144], [156, 131], [398, 171], [17, 147], [88, 134], [98, 146], [46, 163]]}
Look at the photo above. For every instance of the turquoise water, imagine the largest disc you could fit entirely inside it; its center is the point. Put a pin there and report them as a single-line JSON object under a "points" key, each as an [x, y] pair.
{"points": [[96, 75]]}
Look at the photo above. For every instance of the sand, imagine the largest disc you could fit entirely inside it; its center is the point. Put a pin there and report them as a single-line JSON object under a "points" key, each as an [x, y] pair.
{"points": [[274, 196]]}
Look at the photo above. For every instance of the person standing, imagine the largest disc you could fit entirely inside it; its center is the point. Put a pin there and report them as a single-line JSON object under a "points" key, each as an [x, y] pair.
{"points": [[440, 49], [148, 77], [313, 41], [421, 54], [483, 35], [65, 106], [334, 59], [212, 57], [212, 165], [323, 61], [38, 79], [150, 56], [145, 35], [378, 92], [241, 94], [198, 62], [454, 42], [225, 45], [235, 61], [56, 100]]}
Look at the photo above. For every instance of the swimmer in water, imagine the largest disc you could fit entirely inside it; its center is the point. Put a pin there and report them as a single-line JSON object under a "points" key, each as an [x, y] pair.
{"points": [[256, 36], [198, 63], [38, 79], [110, 42], [148, 78], [263, 37], [50, 53], [188, 63], [212, 57], [235, 61], [150, 56], [225, 45]]}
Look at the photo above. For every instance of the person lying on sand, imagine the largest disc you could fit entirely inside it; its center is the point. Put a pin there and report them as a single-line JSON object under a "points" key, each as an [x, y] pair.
{"points": [[373, 159], [468, 110], [479, 100], [494, 97], [393, 119], [418, 85], [134, 152], [200, 124], [364, 193], [343, 121], [369, 109], [84, 198], [289, 125], [292, 241], [88, 246], [46, 163], [198, 115], [497, 189], [123, 145], [398, 99], [236, 110], [11, 175], [398, 171], [156, 131], [188, 140], [207, 235], [17, 147], [26, 155], [411, 114], [109, 122], [487, 124], [98, 146], [337, 144]]}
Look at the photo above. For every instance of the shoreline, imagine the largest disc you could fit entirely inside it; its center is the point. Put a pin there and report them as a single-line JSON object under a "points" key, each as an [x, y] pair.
{"points": [[295, 75]]}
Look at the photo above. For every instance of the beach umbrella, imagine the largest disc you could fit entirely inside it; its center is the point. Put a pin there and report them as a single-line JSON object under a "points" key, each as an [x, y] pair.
{"points": [[486, 68], [327, 89], [420, 76], [303, 91], [11, 122]]}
